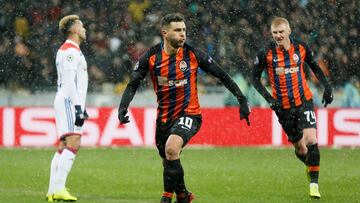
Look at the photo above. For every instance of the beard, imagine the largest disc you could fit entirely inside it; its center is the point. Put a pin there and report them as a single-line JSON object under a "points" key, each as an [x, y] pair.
{"points": [[82, 37], [176, 43]]}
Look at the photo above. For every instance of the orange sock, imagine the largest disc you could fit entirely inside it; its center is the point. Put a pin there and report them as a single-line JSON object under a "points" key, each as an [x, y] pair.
{"points": [[168, 194]]}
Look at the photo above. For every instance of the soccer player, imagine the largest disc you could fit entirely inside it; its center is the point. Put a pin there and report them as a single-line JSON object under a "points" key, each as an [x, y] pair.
{"points": [[291, 99], [69, 105], [173, 67]]}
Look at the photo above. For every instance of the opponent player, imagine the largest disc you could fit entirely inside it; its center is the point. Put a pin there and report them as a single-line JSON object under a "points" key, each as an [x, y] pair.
{"points": [[291, 99], [69, 105], [173, 67]]}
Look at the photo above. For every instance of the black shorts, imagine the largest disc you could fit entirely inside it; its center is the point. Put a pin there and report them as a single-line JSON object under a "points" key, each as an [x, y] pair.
{"points": [[295, 120], [185, 126]]}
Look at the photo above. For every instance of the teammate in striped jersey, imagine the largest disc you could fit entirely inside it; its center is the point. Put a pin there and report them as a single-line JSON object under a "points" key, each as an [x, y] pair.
{"points": [[173, 67], [291, 98], [69, 105]]}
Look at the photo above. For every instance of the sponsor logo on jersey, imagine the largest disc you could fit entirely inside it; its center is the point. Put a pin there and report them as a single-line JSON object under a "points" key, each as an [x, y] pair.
{"points": [[163, 81], [183, 66], [283, 70]]}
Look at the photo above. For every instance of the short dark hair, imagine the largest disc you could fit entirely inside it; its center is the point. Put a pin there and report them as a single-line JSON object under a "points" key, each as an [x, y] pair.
{"points": [[172, 17]]}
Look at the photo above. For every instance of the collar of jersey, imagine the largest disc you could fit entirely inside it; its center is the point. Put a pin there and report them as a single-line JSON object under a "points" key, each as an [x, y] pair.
{"points": [[72, 42]]}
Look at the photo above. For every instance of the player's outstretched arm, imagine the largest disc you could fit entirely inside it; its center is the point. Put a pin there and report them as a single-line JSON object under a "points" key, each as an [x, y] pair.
{"points": [[328, 95], [138, 74], [229, 83], [208, 65], [127, 97], [259, 65]]}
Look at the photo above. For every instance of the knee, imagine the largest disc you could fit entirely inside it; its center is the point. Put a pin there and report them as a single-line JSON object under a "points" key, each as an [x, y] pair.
{"points": [[302, 150], [171, 153], [61, 145], [73, 142], [310, 136]]}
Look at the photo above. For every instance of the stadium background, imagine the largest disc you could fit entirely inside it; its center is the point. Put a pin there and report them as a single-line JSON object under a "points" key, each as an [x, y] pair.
{"points": [[118, 32]]}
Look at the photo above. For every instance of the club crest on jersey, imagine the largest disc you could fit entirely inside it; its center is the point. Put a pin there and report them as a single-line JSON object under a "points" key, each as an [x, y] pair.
{"points": [[296, 58], [69, 57], [183, 66]]}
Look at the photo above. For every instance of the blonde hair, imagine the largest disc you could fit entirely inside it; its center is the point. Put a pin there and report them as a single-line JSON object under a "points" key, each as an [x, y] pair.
{"points": [[279, 20], [66, 23]]}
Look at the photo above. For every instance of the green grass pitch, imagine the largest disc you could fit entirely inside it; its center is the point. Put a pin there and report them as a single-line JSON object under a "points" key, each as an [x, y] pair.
{"points": [[215, 175]]}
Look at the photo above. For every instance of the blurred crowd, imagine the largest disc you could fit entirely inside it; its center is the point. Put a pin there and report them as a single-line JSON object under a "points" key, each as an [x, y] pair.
{"points": [[120, 31]]}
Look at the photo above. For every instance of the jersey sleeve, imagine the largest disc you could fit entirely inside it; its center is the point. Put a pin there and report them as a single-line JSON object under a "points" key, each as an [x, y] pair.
{"points": [[260, 64], [69, 84], [82, 85], [207, 64], [260, 61], [139, 72], [71, 58], [70, 63], [309, 59], [141, 67]]}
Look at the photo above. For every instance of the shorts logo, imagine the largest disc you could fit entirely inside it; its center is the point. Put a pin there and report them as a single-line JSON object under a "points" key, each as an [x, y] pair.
{"points": [[183, 66], [183, 127], [296, 58]]}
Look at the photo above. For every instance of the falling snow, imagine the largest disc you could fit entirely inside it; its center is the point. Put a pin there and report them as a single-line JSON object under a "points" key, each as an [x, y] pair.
{"points": [[120, 31]]}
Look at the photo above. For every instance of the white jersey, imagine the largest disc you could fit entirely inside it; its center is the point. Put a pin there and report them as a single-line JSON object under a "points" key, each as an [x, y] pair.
{"points": [[72, 87], [72, 73]]}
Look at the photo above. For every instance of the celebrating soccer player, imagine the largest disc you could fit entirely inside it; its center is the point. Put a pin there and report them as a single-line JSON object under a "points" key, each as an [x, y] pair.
{"points": [[291, 99], [173, 66], [69, 105]]}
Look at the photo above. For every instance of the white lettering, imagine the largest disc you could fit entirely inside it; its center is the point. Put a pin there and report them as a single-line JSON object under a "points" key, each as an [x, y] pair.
{"points": [[128, 131], [149, 126], [8, 127], [342, 123], [162, 81], [37, 121], [91, 131], [36, 127], [283, 70], [322, 127], [276, 130]]}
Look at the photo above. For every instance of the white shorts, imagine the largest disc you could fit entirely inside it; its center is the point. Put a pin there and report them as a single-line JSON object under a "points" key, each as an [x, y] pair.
{"points": [[65, 117]]}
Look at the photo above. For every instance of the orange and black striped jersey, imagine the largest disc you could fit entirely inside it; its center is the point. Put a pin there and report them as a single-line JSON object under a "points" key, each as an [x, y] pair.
{"points": [[174, 79], [285, 69]]}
